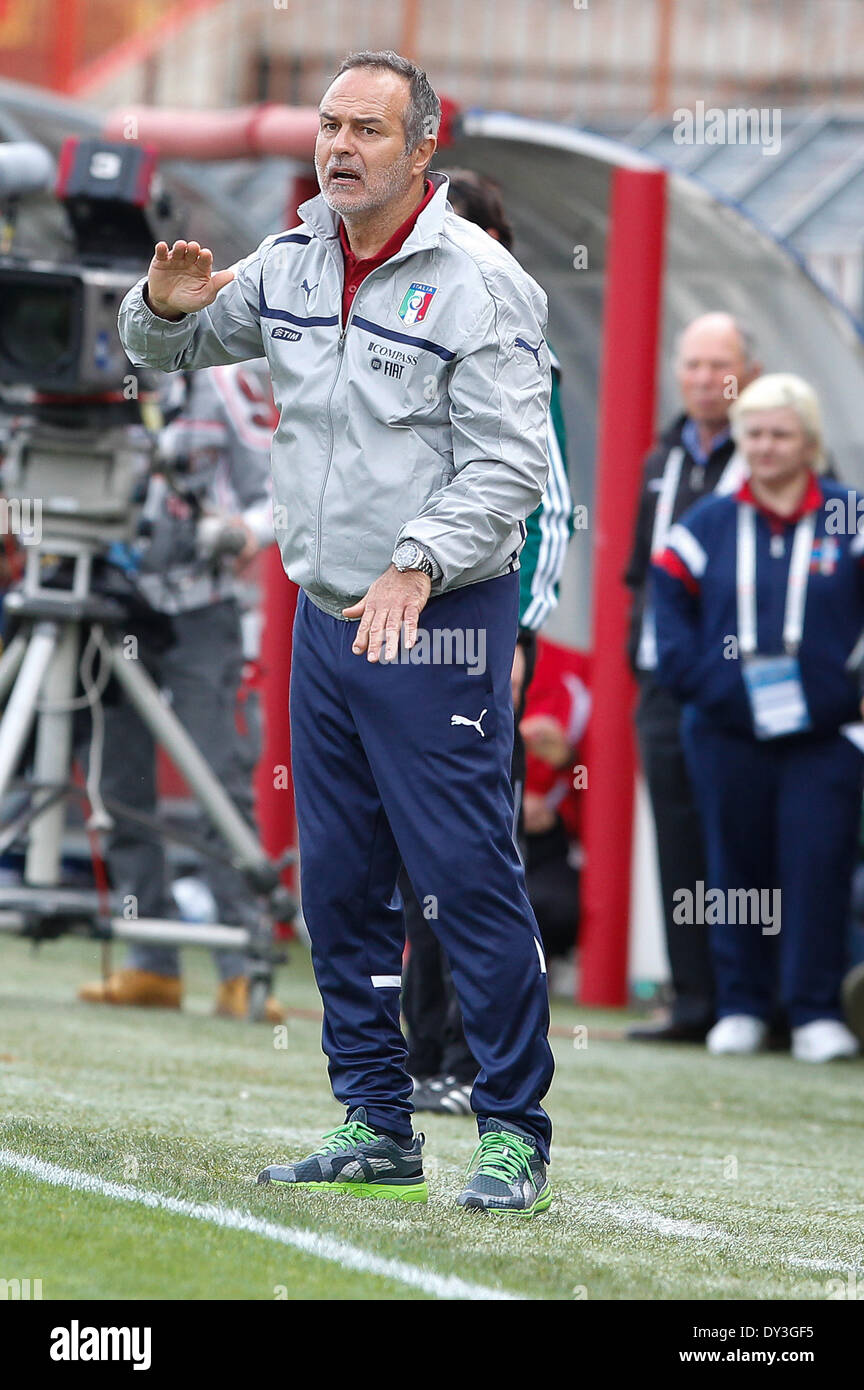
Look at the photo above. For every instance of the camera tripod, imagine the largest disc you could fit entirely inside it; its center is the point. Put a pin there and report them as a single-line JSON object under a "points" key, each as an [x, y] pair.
{"points": [[61, 632]]}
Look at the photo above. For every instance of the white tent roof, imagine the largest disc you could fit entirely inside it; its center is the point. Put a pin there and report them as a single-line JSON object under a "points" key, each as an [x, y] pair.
{"points": [[555, 183]]}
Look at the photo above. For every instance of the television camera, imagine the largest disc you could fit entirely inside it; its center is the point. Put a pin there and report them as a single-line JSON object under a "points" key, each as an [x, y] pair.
{"points": [[78, 440]]}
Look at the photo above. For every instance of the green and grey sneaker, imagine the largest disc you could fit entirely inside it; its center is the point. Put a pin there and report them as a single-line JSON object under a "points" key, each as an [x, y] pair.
{"points": [[354, 1159], [506, 1174]]}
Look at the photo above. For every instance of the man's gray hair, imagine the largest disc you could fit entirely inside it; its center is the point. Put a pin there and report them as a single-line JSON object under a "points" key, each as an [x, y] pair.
{"points": [[423, 112]]}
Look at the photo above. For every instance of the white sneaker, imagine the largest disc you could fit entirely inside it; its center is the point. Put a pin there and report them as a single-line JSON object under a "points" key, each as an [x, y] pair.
{"points": [[737, 1033], [823, 1040]]}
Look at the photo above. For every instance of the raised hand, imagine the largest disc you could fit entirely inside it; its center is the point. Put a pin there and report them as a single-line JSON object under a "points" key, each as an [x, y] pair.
{"points": [[181, 280]]}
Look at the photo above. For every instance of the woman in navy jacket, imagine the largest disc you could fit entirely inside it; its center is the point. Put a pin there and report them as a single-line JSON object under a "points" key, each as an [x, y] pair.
{"points": [[760, 602]]}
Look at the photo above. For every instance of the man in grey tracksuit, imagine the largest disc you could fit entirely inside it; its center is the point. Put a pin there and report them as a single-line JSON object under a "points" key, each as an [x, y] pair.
{"points": [[412, 378]]}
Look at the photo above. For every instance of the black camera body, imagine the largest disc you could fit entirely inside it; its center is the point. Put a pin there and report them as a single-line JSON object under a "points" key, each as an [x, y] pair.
{"points": [[58, 327], [58, 321]]}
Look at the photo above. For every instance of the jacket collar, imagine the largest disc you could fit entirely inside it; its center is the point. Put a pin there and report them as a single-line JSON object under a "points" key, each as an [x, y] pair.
{"points": [[810, 502], [673, 432], [394, 245], [691, 442], [426, 232]]}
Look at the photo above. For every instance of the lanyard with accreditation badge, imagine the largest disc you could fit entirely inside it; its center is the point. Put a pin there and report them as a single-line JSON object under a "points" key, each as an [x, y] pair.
{"points": [[731, 478], [773, 683]]}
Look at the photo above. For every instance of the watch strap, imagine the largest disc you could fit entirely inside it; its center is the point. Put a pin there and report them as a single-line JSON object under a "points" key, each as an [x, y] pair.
{"points": [[427, 564]]}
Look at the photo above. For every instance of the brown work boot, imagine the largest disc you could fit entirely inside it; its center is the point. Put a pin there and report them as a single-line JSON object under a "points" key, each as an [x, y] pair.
{"points": [[232, 1001], [140, 987]]}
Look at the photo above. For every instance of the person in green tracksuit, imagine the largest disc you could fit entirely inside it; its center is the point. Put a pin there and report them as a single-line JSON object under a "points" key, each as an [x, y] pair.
{"points": [[549, 527], [439, 1057]]}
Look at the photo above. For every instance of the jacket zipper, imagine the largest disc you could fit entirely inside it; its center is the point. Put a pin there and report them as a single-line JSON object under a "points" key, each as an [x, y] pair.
{"points": [[340, 350]]}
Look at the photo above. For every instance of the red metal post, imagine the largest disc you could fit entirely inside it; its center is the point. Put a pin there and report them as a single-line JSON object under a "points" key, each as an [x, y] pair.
{"points": [[665, 21], [410, 29], [631, 335], [64, 47], [274, 793]]}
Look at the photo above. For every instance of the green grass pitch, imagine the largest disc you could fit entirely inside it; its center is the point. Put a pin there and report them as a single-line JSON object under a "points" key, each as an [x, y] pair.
{"points": [[676, 1175]]}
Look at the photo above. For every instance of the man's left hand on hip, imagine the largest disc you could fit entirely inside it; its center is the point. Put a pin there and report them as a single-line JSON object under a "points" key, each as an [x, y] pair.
{"points": [[392, 605]]}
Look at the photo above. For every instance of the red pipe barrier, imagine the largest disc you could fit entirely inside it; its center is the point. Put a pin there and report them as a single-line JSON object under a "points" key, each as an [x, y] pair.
{"points": [[631, 335], [244, 132], [239, 133], [274, 791]]}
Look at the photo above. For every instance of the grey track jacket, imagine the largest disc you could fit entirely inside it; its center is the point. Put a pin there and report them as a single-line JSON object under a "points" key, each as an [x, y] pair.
{"points": [[424, 416]]}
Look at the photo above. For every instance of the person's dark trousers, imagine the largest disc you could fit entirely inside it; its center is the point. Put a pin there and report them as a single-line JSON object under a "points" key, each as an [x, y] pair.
{"points": [[680, 851], [553, 887], [437, 1045], [528, 643], [781, 815], [202, 669], [410, 761], [424, 995]]}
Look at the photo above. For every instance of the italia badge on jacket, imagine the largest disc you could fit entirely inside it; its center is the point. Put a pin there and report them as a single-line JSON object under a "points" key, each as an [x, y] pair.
{"points": [[415, 305]]}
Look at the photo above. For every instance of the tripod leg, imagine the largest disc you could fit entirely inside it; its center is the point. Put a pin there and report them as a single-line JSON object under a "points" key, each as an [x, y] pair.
{"points": [[10, 663], [53, 753], [249, 857], [181, 749], [21, 708]]}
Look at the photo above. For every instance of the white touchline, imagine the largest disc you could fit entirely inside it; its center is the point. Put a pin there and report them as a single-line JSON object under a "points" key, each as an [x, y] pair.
{"points": [[352, 1257], [230, 1218], [678, 1228], [628, 1214]]}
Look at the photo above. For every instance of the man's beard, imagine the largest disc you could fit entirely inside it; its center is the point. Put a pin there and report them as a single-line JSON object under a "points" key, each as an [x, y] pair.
{"points": [[385, 187]]}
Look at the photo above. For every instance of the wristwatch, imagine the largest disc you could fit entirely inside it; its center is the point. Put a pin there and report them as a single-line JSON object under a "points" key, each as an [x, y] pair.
{"points": [[410, 555]]}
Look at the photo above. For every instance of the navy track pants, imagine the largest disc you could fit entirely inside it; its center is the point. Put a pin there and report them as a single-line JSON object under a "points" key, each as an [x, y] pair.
{"points": [[780, 814], [382, 776]]}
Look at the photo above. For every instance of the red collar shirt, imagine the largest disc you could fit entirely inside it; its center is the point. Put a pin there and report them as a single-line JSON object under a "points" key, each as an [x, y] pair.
{"points": [[357, 270]]}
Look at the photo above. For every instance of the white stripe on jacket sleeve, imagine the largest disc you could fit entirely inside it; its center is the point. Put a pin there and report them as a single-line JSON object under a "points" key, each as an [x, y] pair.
{"points": [[685, 544]]}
